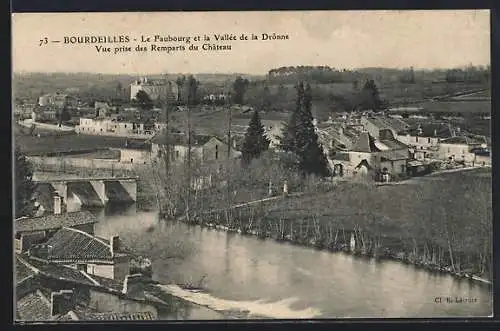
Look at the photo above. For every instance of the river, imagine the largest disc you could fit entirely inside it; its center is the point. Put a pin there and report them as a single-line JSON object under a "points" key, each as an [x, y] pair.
{"points": [[280, 280]]}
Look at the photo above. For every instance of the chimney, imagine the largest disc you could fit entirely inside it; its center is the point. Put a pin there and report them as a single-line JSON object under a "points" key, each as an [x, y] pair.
{"points": [[114, 243], [133, 286], [61, 302], [57, 203]]}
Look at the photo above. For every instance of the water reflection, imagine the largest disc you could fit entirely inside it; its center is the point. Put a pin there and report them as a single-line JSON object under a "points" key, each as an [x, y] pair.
{"points": [[246, 269]]}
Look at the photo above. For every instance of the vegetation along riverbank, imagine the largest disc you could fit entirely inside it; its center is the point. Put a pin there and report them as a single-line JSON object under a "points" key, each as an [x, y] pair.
{"points": [[422, 223]]}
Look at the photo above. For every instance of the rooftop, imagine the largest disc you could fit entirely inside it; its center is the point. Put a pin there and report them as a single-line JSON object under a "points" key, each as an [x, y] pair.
{"points": [[22, 270], [365, 144], [436, 130], [56, 271], [54, 221], [85, 314], [385, 122], [69, 244], [462, 140], [34, 306]]}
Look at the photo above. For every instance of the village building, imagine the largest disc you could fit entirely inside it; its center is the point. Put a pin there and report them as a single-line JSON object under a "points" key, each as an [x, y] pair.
{"points": [[462, 148], [30, 231], [58, 100], [52, 292], [112, 126], [373, 125], [155, 88], [424, 136], [383, 158], [137, 153], [83, 251], [204, 148], [44, 114], [103, 109]]}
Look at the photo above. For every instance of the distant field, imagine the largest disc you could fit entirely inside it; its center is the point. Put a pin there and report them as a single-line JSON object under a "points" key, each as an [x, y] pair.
{"points": [[104, 154], [32, 145], [458, 106]]}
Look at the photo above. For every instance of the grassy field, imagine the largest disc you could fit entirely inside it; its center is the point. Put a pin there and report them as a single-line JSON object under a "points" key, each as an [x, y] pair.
{"points": [[32, 145], [449, 214], [103, 154], [465, 107]]}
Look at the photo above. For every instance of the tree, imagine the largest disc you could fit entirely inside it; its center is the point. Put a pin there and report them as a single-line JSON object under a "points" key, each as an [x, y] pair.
{"points": [[266, 99], [24, 186], [287, 140], [312, 159], [255, 142], [180, 85], [193, 90], [144, 100], [369, 96], [240, 86]]}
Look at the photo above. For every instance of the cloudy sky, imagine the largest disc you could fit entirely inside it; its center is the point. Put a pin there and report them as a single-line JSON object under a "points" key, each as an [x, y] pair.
{"points": [[340, 39]]}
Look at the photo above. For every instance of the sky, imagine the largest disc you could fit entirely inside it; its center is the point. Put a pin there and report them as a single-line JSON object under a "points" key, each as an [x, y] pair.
{"points": [[339, 39]]}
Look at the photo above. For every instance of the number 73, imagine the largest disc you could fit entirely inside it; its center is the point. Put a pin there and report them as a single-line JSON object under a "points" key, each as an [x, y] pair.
{"points": [[44, 41]]}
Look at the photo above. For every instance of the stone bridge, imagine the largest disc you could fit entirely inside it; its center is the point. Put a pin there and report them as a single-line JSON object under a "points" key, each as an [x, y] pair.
{"points": [[91, 192]]}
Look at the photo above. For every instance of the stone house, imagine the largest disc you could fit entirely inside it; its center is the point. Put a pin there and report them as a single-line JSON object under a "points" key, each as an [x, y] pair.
{"points": [[203, 148], [30, 231], [425, 136], [86, 252], [46, 292], [459, 148], [370, 156]]}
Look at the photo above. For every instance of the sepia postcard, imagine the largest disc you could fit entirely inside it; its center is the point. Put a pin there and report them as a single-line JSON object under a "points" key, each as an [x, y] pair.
{"points": [[252, 165]]}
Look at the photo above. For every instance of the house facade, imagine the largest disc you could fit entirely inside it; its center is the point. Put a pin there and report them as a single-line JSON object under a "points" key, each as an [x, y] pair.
{"points": [[459, 148], [372, 157], [112, 126], [203, 148], [155, 88]]}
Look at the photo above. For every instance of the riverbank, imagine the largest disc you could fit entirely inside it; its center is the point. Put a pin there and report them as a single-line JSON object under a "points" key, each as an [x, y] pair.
{"points": [[345, 248]]}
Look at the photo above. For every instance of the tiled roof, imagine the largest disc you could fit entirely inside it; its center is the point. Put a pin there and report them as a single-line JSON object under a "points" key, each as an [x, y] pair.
{"points": [[59, 272], [388, 123], [33, 307], [393, 144], [428, 130], [22, 271], [88, 315], [69, 244], [54, 221], [365, 144], [461, 140]]}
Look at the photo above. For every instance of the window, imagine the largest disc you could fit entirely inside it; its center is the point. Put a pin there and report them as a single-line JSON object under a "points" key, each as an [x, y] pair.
{"points": [[216, 152], [131, 160], [125, 126], [429, 140], [403, 168], [177, 154]]}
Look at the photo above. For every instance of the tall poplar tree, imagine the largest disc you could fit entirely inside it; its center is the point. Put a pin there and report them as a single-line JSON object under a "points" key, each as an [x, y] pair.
{"points": [[312, 159], [255, 141], [287, 140]]}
